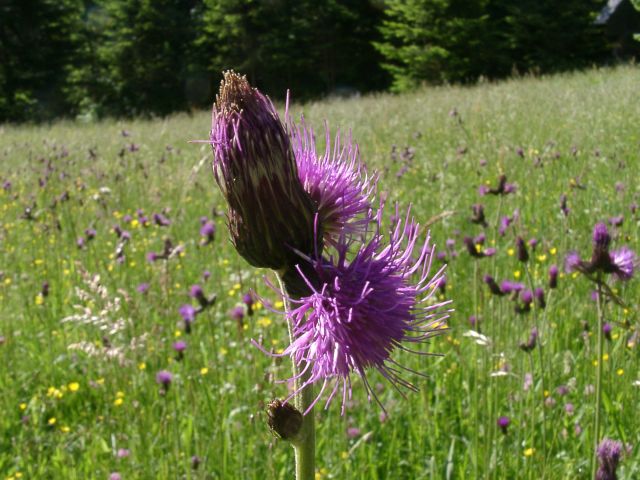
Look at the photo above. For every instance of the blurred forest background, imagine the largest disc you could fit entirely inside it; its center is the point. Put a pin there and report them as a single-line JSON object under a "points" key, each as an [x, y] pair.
{"points": [[89, 59]]}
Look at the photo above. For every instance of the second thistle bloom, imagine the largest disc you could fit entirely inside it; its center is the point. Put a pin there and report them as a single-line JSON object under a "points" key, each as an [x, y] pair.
{"points": [[365, 307]]}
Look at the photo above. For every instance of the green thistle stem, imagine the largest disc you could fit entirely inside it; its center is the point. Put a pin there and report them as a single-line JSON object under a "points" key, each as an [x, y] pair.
{"points": [[305, 444], [596, 427]]}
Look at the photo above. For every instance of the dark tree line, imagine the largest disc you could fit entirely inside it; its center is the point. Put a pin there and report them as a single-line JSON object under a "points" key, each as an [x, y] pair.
{"points": [[151, 57]]}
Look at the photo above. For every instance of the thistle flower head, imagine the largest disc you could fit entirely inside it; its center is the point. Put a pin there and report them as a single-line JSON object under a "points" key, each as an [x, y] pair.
{"points": [[624, 260], [601, 237], [270, 215], [336, 181], [365, 307], [608, 452], [620, 263]]}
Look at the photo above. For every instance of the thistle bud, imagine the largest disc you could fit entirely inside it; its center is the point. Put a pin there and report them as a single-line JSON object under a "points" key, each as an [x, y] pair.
{"points": [[284, 419], [523, 254], [270, 215]]}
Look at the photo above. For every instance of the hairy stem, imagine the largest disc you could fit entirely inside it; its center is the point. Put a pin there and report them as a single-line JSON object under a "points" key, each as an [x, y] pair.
{"points": [[596, 426], [305, 444]]}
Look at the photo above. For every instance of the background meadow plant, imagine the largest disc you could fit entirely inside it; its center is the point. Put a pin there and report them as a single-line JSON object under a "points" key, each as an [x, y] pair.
{"points": [[69, 414]]}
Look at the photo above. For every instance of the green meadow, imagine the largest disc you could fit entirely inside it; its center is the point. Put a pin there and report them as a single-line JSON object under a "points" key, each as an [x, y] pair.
{"points": [[79, 360]]}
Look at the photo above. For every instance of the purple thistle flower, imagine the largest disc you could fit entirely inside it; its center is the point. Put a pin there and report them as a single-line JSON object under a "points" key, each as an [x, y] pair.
{"points": [[533, 243], [143, 288], [504, 224], [206, 275], [80, 243], [188, 314], [601, 237], [237, 313], [195, 462], [362, 309], [608, 452], [493, 286], [208, 231], [45, 289], [553, 276], [563, 205], [152, 257], [270, 216], [179, 347], [197, 293], [624, 260], [523, 254], [90, 233], [160, 220], [538, 293], [164, 378], [530, 344], [336, 182], [507, 287], [123, 453], [606, 330], [503, 422], [621, 262], [115, 476], [478, 216], [616, 221]]}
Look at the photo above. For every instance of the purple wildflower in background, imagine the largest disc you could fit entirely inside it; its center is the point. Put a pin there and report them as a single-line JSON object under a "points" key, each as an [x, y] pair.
{"points": [[503, 188], [195, 462], [606, 329], [553, 276], [164, 379], [478, 216], [197, 293], [530, 344], [493, 286], [249, 299], [152, 257], [363, 309], [115, 476], [336, 182], [620, 263], [123, 453], [538, 293], [523, 254], [160, 220], [143, 288], [80, 243], [188, 314], [475, 249], [90, 233], [508, 286], [608, 452], [179, 347], [208, 233], [563, 205], [503, 423], [616, 221]]}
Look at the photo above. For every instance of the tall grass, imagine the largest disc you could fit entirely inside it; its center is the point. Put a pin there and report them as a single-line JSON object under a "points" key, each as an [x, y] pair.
{"points": [[571, 134]]}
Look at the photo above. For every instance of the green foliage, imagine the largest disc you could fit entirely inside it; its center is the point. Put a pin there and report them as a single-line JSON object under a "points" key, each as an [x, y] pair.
{"points": [[38, 41], [578, 134], [450, 40], [316, 47], [433, 41]]}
